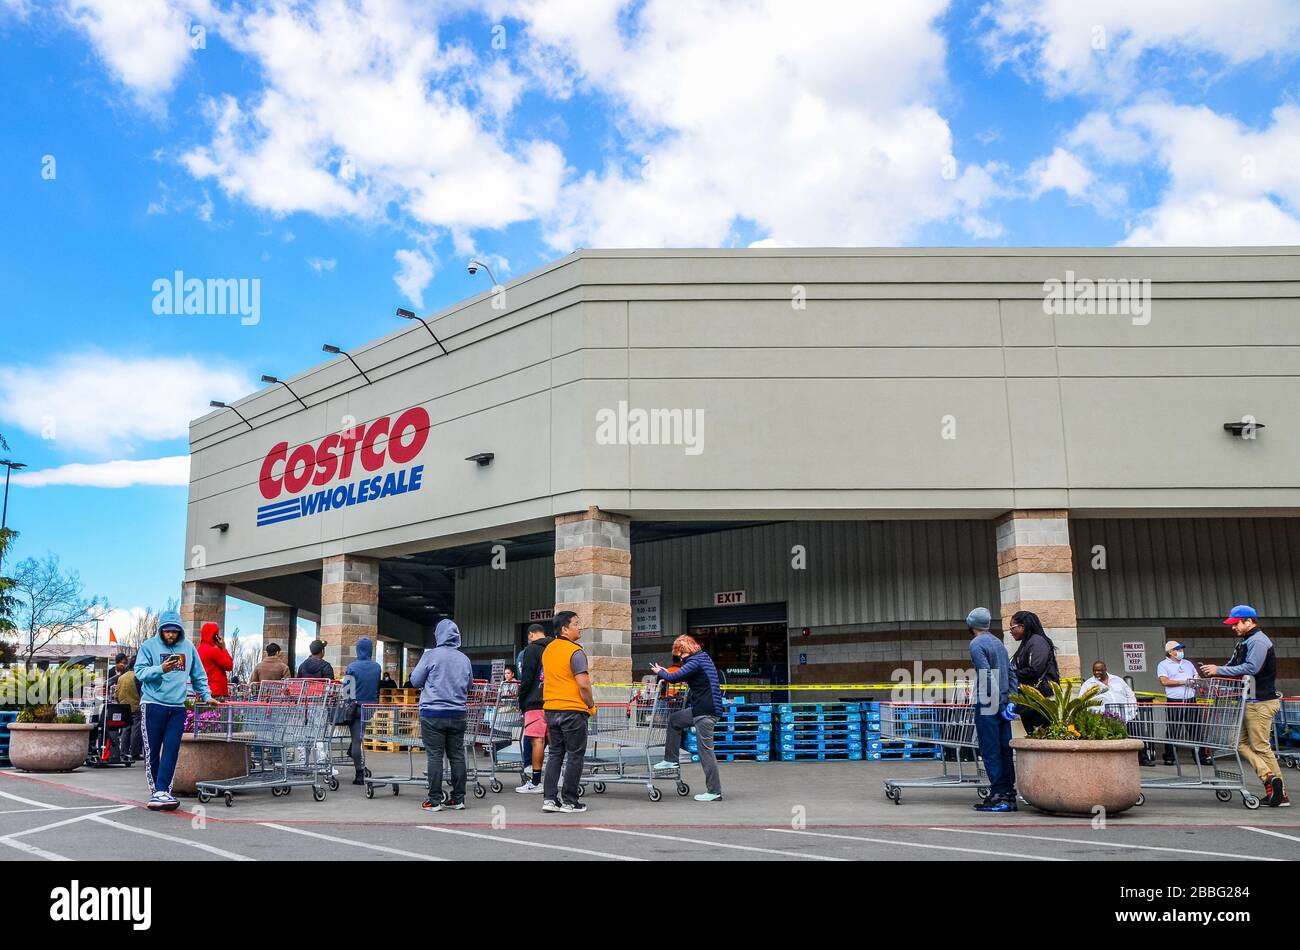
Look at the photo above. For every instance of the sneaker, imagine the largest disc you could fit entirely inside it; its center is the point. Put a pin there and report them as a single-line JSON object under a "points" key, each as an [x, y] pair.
{"points": [[665, 764], [577, 809], [550, 805], [997, 805], [358, 780], [169, 803], [708, 797], [430, 805], [1276, 796], [455, 806], [529, 788], [156, 801]]}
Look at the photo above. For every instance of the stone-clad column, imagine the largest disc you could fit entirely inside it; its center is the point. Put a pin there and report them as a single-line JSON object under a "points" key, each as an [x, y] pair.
{"points": [[1036, 573], [280, 625], [349, 606], [593, 578], [201, 602]]}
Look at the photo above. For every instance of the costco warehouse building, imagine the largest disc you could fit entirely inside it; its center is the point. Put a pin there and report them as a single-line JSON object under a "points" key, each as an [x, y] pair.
{"points": [[854, 448]]}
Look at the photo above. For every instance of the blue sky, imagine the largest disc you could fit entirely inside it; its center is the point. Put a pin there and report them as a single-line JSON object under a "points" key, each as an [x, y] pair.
{"points": [[350, 155]]}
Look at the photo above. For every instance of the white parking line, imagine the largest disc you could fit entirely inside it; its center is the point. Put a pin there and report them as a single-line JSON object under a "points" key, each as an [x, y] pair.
{"points": [[1108, 844], [356, 844], [1265, 831], [532, 844], [11, 840], [149, 832], [915, 844], [28, 801], [28, 811], [32, 849], [67, 821], [718, 844]]}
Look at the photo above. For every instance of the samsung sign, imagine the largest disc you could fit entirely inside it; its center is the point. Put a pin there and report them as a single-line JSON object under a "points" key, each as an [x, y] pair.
{"points": [[343, 457]]}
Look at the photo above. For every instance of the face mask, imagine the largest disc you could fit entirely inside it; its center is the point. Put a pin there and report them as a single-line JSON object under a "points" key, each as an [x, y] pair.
{"points": [[1178, 654]]}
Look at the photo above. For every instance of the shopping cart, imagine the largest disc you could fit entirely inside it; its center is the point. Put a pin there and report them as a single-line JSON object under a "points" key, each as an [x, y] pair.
{"points": [[493, 731], [287, 736], [1286, 733], [398, 727], [622, 740], [1210, 721], [947, 725]]}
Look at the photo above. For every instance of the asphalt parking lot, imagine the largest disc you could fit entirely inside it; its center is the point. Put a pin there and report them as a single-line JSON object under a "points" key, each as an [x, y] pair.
{"points": [[820, 812]]}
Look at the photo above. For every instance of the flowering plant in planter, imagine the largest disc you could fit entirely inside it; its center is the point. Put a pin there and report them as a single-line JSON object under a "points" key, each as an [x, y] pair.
{"points": [[1068, 716]]}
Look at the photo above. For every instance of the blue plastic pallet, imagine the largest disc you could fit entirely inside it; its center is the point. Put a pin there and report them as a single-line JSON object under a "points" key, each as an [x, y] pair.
{"points": [[786, 708], [821, 727], [738, 757], [848, 756], [894, 754], [822, 747]]}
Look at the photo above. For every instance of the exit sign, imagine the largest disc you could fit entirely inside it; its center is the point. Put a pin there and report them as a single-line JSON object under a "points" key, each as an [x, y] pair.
{"points": [[727, 598]]}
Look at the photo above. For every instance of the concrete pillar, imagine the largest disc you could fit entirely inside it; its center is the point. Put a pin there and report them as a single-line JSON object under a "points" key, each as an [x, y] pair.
{"points": [[201, 602], [349, 606], [593, 578], [280, 625], [1036, 573]]}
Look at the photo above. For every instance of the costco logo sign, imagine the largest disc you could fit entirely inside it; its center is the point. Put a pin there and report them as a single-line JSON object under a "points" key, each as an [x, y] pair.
{"points": [[342, 457]]}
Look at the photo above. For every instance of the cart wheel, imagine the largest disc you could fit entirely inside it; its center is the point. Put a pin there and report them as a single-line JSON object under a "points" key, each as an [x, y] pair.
{"points": [[1223, 796], [497, 786], [128, 763], [397, 789], [599, 787], [1142, 799], [366, 771], [318, 793], [204, 797], [479, 790], [655, 794], [1250, 801], [983, 792], [582, 790], [334, 784], [370, 790], [891, 792], [683, 789], [230, 799], [446, 796]]}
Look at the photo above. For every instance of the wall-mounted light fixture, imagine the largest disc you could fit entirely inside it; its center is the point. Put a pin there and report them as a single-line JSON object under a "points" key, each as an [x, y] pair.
{"points": [[1241, 430], [274, 381], [217, 404], [223, 527], [329, 348], [483, 458], [408, 315]]}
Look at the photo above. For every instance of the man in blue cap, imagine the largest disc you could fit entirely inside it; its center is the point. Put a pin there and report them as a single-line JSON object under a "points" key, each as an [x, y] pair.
{"points": [[992, 722], [1255, 656]]}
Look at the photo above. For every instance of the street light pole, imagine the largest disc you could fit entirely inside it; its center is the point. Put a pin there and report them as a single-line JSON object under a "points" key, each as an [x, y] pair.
{"points": [[9, 465]]}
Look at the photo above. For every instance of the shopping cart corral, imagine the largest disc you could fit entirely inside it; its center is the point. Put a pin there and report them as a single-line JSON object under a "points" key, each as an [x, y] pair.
{"points": [[623, 740], [1211, 721], [947, 725]]}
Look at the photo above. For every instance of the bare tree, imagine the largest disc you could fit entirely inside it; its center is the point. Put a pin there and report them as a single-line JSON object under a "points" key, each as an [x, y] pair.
{"points": [[50, 605], [245, 655]]}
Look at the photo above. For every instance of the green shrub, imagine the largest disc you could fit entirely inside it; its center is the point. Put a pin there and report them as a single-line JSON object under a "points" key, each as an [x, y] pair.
{"points": [[71, 717], [1068, 716]]}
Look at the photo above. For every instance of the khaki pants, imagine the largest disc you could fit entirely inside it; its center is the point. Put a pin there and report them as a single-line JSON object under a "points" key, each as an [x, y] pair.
{"points": [[1256, 736]]}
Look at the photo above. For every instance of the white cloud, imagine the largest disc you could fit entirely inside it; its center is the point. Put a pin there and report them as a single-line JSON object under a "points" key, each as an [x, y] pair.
{"points": [[107, 405], [1227, 184], [321, 264], [1097, 46], [364, 106], [122, 473], [817, 129], [415, 273], [145, 43], [1061, 170]]}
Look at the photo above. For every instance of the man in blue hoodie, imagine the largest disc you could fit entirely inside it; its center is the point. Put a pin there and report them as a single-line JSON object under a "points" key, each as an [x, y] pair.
{"points": [[993, 683], [361, 685], [167, 667], [443, 676]]}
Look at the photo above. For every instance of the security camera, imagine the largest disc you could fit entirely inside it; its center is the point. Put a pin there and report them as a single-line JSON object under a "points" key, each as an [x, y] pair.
{"points": [[473, 269]]}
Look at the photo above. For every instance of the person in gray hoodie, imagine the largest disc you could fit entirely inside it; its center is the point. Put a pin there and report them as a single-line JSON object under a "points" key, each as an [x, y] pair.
{"points": [[994, 680], [443, 676]]}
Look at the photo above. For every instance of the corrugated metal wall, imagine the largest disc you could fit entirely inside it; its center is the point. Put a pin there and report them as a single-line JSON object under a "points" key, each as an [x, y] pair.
{"points": [[490, 604], [1186, 567], [857, 571]]}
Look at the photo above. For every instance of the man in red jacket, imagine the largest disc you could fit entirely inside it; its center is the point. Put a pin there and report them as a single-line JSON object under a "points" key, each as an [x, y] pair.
{"points": [[217, 662]]}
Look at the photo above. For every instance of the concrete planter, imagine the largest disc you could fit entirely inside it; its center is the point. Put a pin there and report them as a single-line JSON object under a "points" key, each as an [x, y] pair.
{"points": [[208, 759], [1066, 777], [48, 746]]}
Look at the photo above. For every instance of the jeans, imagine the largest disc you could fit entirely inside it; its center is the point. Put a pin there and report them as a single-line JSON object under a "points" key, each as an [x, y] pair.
{"points": [[163, 728], [566, 734], [444, 736], [678, 723], [994, 735], [356, 728], [134, 742]]}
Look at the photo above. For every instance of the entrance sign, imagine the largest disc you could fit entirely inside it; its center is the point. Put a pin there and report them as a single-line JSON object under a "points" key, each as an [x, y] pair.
{"points": [[546, 613]]}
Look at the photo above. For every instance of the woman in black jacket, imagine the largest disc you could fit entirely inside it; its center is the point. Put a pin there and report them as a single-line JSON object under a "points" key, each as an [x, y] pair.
{"points": [[1034, 663]]}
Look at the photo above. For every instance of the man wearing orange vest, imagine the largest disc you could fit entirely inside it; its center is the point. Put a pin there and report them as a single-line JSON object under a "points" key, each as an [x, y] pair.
{"points": [[568, 704]]}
